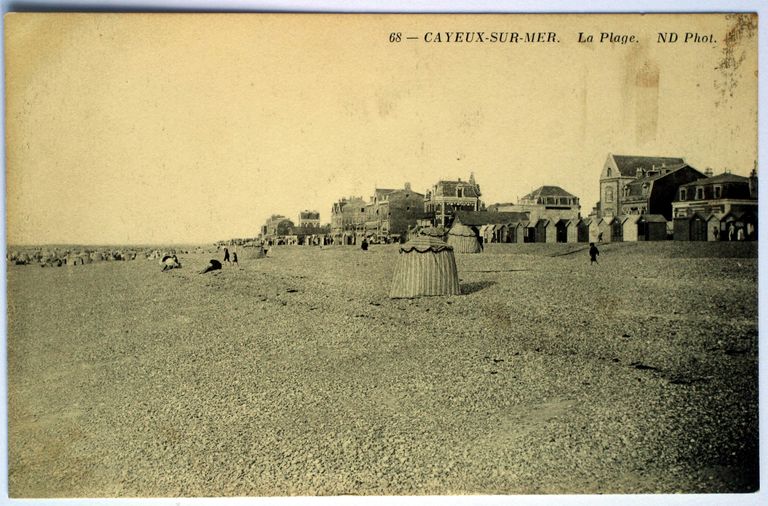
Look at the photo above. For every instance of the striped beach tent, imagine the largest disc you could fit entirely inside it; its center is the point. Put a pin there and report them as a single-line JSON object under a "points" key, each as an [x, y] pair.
{"points": [[425, 267], [464, 238]]}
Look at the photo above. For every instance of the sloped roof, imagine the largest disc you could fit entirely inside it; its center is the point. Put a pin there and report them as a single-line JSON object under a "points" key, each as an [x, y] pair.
{"points": [[448, 188], [462, 230], [628, 164], [630, 217], [424, 244], [725, 177], [547, 191], [636, 186], [477, 218]]}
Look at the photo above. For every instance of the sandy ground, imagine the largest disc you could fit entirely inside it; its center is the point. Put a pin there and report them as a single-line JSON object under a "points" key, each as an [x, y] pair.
{"points": [[297, 375]]}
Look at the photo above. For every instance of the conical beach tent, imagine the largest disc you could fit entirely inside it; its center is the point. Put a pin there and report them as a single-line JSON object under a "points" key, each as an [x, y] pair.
{"points": [[426, 266], [464, 239]]}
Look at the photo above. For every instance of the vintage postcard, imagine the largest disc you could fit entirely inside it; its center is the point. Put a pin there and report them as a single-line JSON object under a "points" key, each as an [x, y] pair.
{"points": [[379, 254]]}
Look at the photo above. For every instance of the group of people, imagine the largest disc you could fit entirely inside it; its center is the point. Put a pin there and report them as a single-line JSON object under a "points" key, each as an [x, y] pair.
{"points": [[734, 233], [233, 259]]}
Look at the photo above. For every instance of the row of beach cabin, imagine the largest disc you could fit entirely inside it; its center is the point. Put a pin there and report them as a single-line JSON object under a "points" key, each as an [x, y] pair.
{"points": [[470, 230]]}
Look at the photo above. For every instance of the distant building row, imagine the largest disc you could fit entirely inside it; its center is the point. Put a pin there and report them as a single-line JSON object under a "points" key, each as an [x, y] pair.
{"points": [[641, 198], [392, 214], [669, 187]]}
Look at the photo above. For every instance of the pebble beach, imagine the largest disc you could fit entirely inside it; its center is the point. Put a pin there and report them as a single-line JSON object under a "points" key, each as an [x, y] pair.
{"points": [[296, 374]]}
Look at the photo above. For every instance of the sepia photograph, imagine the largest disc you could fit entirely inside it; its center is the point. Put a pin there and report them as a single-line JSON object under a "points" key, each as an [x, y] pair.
{"points": [[377, 254]]}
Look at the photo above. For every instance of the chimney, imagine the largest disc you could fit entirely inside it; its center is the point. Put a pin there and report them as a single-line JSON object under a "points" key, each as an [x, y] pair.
{"points": [[709, 172], [753, 182], [408, 186]]}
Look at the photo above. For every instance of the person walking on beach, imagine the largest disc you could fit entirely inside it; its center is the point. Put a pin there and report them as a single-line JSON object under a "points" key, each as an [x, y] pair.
{"points": [[364, 245], [234, 259], [226, 255], [593, 252]]}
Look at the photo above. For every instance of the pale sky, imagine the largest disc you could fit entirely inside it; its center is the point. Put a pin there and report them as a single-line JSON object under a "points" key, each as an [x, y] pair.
{"points": [[155, 128]]}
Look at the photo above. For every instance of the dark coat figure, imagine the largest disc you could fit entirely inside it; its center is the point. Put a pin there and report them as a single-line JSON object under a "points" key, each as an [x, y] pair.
{"points": [[364, 245], [593, 253], [226, 255], [214, 265], [234, 258]]}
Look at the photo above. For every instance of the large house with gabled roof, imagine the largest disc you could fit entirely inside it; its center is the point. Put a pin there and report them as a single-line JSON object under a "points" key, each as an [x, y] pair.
{"points": [[621, 170]]}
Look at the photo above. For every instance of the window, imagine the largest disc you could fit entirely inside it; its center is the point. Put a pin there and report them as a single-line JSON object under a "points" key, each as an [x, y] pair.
{"points": [[718, 191], [609, 194], [683, 193], [699, 193], [608, 172], [459, 192]]}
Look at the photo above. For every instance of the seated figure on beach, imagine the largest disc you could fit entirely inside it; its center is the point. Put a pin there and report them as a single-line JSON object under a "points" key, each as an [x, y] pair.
{"points": [[170, 262], [213, 265]]}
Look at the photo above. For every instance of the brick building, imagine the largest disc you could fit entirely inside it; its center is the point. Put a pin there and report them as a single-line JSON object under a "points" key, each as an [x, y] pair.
{"points": [[392, 212]]}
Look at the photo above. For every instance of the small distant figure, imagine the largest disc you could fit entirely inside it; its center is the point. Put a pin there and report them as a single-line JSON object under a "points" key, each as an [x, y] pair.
{"points": [[364, 245], [213, 265], [716, 233], [234, 258], [599, 238], [740, 234], [731, 232], [226, 255], [170, 262], [593, 253]]}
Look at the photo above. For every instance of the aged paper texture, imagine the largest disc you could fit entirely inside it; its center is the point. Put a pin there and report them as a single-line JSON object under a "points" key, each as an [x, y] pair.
{"points": [[222, 230]]}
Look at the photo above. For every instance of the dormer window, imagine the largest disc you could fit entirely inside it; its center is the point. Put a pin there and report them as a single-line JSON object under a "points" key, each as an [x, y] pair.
{"points": [[683, 194], [608, 172], [699, 193], [718, 191]]}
